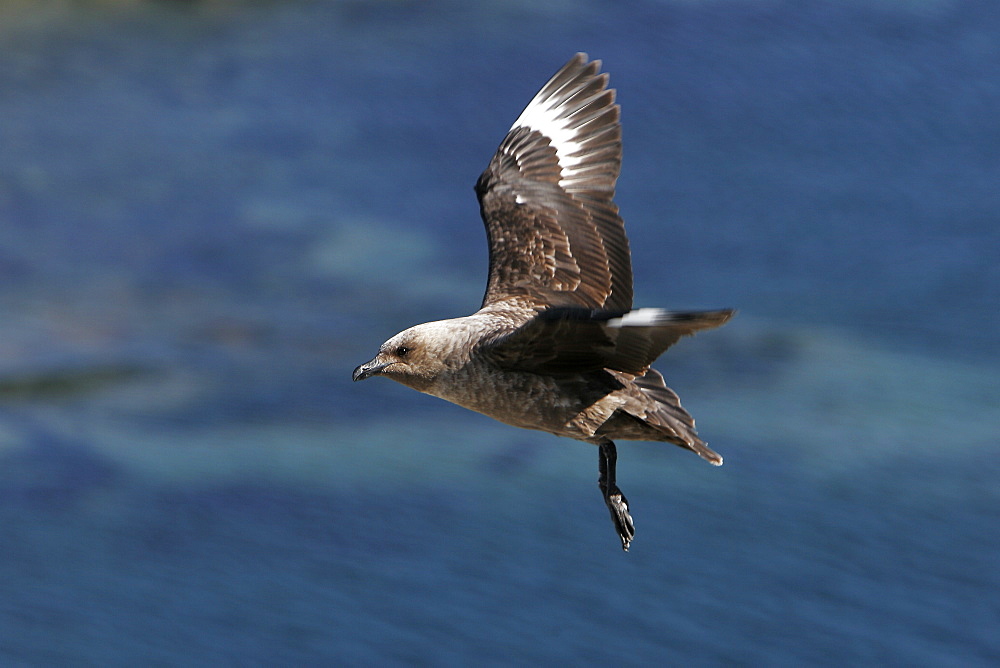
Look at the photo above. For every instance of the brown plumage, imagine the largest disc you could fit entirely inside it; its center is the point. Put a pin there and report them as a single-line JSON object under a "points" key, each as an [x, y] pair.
{"points": [[556, 345]]}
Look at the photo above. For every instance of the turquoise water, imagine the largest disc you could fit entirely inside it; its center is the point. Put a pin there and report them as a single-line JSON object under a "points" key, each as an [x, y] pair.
{"points": [[211, 212]]}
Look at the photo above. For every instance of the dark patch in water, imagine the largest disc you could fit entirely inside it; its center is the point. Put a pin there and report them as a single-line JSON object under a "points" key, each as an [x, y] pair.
{"points": [[68, 382]]}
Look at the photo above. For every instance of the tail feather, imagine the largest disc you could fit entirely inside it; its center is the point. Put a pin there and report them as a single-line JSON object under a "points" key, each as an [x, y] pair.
{"points": [[669, 417]]}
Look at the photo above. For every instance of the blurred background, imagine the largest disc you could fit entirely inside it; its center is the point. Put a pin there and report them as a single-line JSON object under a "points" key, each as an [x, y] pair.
{"points": [[211, 212]]}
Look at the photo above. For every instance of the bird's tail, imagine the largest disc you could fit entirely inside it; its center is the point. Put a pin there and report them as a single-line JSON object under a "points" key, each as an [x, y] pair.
{"points": [[669, 417]]}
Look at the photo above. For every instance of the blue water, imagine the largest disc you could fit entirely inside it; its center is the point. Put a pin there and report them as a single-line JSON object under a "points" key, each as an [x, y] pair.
{"points": [[210, 212]]}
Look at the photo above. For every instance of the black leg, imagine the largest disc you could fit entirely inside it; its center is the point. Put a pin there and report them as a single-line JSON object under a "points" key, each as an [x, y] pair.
{"points": [[613, 497]]}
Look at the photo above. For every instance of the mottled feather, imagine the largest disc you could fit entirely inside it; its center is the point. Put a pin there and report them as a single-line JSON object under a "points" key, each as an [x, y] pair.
{"points": [[555, 237]]}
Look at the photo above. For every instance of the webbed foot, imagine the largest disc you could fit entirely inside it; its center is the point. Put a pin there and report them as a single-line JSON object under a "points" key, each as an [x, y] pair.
{"points": [[618, 507], [613, 497]]}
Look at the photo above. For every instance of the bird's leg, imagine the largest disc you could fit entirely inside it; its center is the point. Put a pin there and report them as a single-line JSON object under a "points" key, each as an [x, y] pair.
{"points": [[613, 497]]}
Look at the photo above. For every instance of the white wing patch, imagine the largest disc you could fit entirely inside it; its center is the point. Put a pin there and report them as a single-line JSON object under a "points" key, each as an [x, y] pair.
{"points": [[643, 317], [543, 115], [576, 112]]}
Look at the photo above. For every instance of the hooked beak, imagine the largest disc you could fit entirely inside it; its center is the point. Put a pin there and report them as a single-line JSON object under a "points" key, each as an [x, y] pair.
{"points": [[369, 369]]}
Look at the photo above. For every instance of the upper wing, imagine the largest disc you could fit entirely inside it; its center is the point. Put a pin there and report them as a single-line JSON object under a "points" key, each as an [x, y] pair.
{"points": [[554, 233], [567, 340]]}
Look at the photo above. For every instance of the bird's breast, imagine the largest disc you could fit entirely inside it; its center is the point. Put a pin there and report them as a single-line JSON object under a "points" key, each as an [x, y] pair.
{"points": [[563, 405]]}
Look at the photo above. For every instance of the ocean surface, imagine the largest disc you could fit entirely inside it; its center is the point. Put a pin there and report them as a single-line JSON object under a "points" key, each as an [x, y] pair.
{"points": [[211, 212]]}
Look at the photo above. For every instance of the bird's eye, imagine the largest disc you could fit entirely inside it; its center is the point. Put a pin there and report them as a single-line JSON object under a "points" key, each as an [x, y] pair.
{"points": [[402, 351]]}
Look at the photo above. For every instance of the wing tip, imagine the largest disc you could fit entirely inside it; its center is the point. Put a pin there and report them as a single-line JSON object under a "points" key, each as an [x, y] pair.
{"points": [[568, 111]]}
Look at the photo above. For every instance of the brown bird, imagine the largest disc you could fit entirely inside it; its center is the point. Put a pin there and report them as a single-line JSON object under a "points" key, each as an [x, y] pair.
{"points": [[556, 345]]}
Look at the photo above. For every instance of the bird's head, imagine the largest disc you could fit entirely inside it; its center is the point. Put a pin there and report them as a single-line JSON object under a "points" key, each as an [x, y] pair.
{"points": [[415, 357]]}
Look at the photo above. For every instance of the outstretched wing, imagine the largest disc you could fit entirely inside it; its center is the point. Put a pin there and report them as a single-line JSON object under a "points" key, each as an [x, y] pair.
{"points": [[568, 340], [554, 233]]}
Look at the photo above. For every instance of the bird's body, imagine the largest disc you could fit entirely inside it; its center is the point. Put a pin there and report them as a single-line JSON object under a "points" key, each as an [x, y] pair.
{"points": [[556, 345]]}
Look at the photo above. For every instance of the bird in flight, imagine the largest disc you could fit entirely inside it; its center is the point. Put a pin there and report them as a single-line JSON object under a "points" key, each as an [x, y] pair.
{"points": [[556, 345]]}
